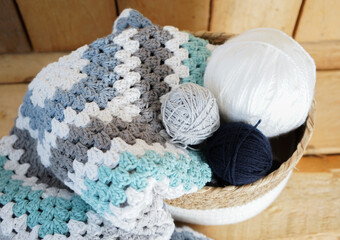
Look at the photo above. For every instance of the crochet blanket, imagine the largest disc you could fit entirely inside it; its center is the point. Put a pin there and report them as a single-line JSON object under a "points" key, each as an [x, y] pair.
{"points": [[90, 124], [31, 209]]}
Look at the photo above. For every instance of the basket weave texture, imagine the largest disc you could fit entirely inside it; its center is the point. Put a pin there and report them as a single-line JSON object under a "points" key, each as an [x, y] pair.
{"points": [[232, 196]]}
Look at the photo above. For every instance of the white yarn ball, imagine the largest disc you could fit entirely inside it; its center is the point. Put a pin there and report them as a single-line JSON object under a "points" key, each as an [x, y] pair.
{"points": [[262, 74], [190, 114]]}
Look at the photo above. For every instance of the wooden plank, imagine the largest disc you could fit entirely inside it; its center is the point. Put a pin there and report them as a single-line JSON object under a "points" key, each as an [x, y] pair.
{"points": [[66, 24], [190, 15], [11, 96], [12, 34], [319, 21], [17, 68], [326, 138], [318, 164], [308, 208], [234, 16], [326, 54]]}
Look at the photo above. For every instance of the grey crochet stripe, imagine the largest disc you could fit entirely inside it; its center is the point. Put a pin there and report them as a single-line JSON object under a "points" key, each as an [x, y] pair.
{"points": [[146, 126], [97, 87], [36, 169], [134, 20], [187, 234]]}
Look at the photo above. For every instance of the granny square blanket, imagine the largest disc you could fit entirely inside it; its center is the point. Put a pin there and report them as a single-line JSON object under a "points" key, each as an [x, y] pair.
{"points": [[88, 157]]}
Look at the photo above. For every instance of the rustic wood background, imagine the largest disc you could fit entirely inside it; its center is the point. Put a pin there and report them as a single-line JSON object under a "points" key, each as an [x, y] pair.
{"points": [[34, 33]]}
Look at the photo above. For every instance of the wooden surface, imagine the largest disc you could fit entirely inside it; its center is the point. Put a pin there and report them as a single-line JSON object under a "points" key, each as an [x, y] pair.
{"points": [[326, 54], [62, 25], [234, 16], [190, 15], [319, 21], [326, 136], [16, 68], [12, 34], [308, 208], [66, 24], [11, 96]]}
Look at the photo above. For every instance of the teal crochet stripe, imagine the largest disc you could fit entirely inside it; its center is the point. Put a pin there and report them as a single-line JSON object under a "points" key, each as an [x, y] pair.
{"points": [[134, 172], [197, 61], [52, 213]]}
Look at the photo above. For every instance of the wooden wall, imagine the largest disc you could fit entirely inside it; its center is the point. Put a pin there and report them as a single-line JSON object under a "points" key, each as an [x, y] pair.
{"points": [[12, 33], [234, 16], [63, 25], [60, 25]]}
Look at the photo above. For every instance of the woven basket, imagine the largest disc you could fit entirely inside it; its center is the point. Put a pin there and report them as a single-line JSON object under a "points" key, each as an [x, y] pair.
{"points": [[231, 204]]}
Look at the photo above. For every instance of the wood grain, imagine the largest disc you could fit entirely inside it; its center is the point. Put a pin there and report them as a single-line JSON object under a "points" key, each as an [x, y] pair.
{"points": [[308, 208], [16, 68], [11, 96], [66, 24], [190, 15], [326, 137], [326, 54], [12, 34], [234, 16], [319, 21]]}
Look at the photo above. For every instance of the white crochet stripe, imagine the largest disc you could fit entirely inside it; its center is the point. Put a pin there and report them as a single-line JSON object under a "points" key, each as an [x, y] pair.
{"points": [[78, 230], [140, 147], [59, 129], [129, 220], [110, 158], [229, 215], [137, 201], [120, 106], [20, 170], [43, 148], [175, 62], [44, 152], [62, 74], [17, 223], [23, 123]]}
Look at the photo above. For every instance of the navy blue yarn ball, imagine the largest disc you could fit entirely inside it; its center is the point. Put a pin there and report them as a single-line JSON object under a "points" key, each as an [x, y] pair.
{"points": [[239, 153]]}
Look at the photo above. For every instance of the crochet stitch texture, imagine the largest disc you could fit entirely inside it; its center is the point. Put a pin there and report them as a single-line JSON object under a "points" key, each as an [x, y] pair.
{"points": [[30, 209], [90, 123]]}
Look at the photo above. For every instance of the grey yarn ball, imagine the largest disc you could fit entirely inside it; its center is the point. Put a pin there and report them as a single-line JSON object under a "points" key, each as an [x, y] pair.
{"points": [[190, 114]]}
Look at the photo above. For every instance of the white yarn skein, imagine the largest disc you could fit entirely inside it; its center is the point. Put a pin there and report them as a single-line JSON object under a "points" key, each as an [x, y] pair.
{"points": [[262, 74], [190, 114]]}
